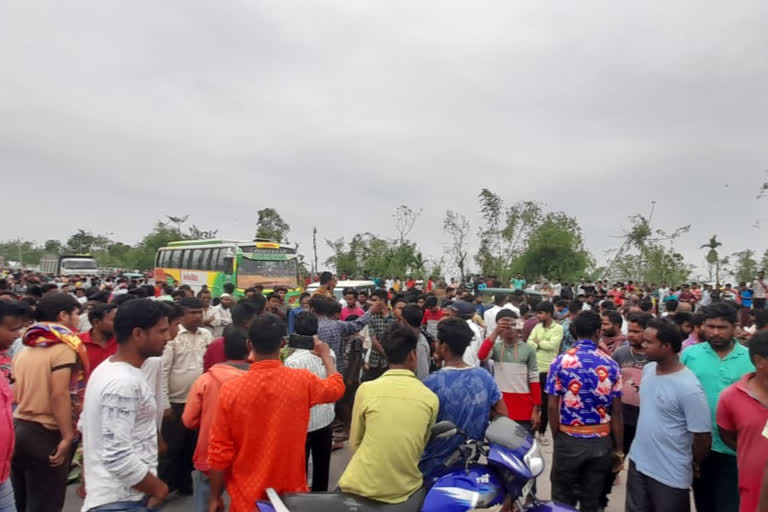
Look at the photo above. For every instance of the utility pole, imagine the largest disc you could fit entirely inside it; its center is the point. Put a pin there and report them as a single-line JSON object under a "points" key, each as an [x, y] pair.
{"points": [[314, 249]]}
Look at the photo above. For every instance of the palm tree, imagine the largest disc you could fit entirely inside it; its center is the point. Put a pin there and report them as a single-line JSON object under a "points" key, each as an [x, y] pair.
{"points": [[178, 221], [713, 258]]}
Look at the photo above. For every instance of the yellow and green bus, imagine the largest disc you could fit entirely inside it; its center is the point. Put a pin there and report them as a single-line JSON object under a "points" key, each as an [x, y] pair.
{"points": [[217, 262]]}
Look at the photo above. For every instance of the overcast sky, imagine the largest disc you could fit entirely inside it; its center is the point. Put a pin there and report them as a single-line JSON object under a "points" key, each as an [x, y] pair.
{"points": [[113, 114]]}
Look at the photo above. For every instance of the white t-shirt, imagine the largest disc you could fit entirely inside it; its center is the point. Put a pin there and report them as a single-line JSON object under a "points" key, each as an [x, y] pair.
{"points": [[153, 372], [470, 354], [759, 288], [119, 427]]}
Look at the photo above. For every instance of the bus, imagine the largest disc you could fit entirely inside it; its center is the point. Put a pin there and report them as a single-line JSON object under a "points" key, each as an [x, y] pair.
{"points": [[69, 265], [216, 262]]}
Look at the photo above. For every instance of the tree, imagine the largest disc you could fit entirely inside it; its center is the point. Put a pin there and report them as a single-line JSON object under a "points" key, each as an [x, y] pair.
{"points": [[178, 221], [405, 219], [84, 242], [314, 250], [53, 247], [271, 226], [713, 258], [764, 261], [196, 233], [457, 229], [555, 250], [745, 266]]}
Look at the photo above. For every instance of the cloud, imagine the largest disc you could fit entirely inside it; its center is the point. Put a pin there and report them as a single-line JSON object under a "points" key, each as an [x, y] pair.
{"points": [[112, 115]]}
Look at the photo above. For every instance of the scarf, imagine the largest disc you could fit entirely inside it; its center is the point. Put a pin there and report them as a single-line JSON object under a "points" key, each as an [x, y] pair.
{"points": [[46, 335], [613, 342]]}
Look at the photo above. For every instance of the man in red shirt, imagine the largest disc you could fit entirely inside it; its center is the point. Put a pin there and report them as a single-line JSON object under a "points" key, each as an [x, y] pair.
{"points": [[259, 431], [100, 341], [742, 417], [243, 314]]}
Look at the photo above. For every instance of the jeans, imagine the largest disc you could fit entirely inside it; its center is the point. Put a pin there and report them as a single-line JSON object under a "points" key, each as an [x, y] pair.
{"points": [[124, 506], [7, 502], [31, 471], [202, 490], [644, 494], [580, 467]]}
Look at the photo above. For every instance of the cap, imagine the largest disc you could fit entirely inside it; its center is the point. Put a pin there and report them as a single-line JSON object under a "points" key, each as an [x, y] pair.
{"points": [[464, 308], [225, 296]]}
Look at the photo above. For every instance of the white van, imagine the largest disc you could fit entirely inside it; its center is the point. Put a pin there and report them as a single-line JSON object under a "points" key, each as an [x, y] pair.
{"points": [[338, 291]]}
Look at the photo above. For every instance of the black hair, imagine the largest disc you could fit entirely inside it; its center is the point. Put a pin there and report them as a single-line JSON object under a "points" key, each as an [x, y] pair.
{"points": [[761, 318], [50, 306], [614, 317], [586, 324], [172, 310], [141, 313], [524, 308], [35, 291], [723, 310], [399, 340], [698, 319], [349, 291], [646, 306], [413, 314], [397, 299], [505, 313], [235, 343], [640, 318], [15, 309], [758, 345], [228, 288], [203, 292], [48, 287], [273, 295], [266, 333], [325, 277], [562, 303], [362, 292], [121, 299], [242, 312], [682, 317], [322, 305], [668, 333], [258, 301], [178, 293], [575, 305], [608, 305], [350, 318], [303, 295], [336, 309], [99, 311], [430, 301], [456, 334], [305, 323], [545, 307], [191, 303], [380, 293], [280, 289], [499, 299], [671, 305]]}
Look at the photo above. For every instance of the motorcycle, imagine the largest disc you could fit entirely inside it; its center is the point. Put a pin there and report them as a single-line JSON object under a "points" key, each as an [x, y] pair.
{"points": [[479, 474]]}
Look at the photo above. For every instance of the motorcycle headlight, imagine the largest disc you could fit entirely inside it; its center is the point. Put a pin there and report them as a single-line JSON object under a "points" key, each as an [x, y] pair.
{"points": [[534, 460]]}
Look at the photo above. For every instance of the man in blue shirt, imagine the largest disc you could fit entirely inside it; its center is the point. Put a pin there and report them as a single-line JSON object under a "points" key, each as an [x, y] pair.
{"points": [[674, 427], [292, 314], [584, 388]]}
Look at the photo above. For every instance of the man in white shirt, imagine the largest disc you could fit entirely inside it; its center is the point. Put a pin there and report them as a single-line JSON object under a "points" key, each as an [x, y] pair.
{"points": [[182, 365], [224, 312], [118, 422], [759, 289], [319, 431], [211, 319]]}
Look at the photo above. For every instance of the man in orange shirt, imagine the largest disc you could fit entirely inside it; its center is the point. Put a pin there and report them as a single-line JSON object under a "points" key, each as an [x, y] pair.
{"points": [[259, 432], [201, 405]]}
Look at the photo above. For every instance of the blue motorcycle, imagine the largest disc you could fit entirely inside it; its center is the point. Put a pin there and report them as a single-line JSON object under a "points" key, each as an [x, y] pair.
{"points": [[479, 474]]}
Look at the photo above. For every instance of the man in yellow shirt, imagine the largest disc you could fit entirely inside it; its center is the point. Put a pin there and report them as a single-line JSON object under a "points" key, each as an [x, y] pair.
{"points": [[545, 339], [391, 422]]}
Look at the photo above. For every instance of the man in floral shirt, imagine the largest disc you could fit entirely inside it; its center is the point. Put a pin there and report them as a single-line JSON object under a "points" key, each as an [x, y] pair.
{"points": [[584, 388]]}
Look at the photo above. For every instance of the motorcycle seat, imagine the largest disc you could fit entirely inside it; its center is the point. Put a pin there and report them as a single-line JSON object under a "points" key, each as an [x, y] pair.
{"points": [[342, 502]]}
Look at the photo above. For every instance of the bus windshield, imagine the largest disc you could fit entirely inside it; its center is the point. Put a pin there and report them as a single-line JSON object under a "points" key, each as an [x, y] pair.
{"points": [[268, 273]]}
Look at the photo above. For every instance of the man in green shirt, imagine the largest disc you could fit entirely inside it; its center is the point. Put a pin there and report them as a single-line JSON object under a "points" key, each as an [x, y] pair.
{"points": [[718, 363], [391, 422], [545, 339]]}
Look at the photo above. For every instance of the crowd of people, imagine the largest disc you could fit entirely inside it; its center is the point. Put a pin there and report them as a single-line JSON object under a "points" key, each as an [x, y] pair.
{"points": [[165, 389]]}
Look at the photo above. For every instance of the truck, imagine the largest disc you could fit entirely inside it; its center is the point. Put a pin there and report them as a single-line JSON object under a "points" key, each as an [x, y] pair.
{"points": [[69, 265]]}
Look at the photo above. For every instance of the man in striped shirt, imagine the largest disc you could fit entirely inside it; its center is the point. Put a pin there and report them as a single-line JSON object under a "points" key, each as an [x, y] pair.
{"points": [[515, 369]]}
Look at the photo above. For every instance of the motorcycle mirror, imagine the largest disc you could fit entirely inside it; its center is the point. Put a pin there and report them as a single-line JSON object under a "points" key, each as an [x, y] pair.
{"points": [[443, 430]]}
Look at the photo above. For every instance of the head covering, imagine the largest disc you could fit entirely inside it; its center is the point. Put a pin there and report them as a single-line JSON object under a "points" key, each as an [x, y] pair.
{"points": [[225, 296]]}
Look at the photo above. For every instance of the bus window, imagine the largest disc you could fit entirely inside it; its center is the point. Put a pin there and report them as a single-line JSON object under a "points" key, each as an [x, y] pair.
{"points": [[165, 257], [158, 257], [195, 261], [214, 263], [175, 259], [205, 261], [186, 253], [222, 255]]}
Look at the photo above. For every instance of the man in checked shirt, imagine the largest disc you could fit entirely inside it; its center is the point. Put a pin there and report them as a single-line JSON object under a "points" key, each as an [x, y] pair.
{"points": [[380, 321]]}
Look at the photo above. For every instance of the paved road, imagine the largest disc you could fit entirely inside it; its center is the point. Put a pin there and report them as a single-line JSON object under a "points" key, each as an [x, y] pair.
{"points": [[339, 461]]}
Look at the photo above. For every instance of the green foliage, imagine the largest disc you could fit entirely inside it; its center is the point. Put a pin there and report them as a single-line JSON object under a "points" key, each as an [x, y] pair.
{"points": [[745, 267], [367, 256], [554, 250], [271, 226]]}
